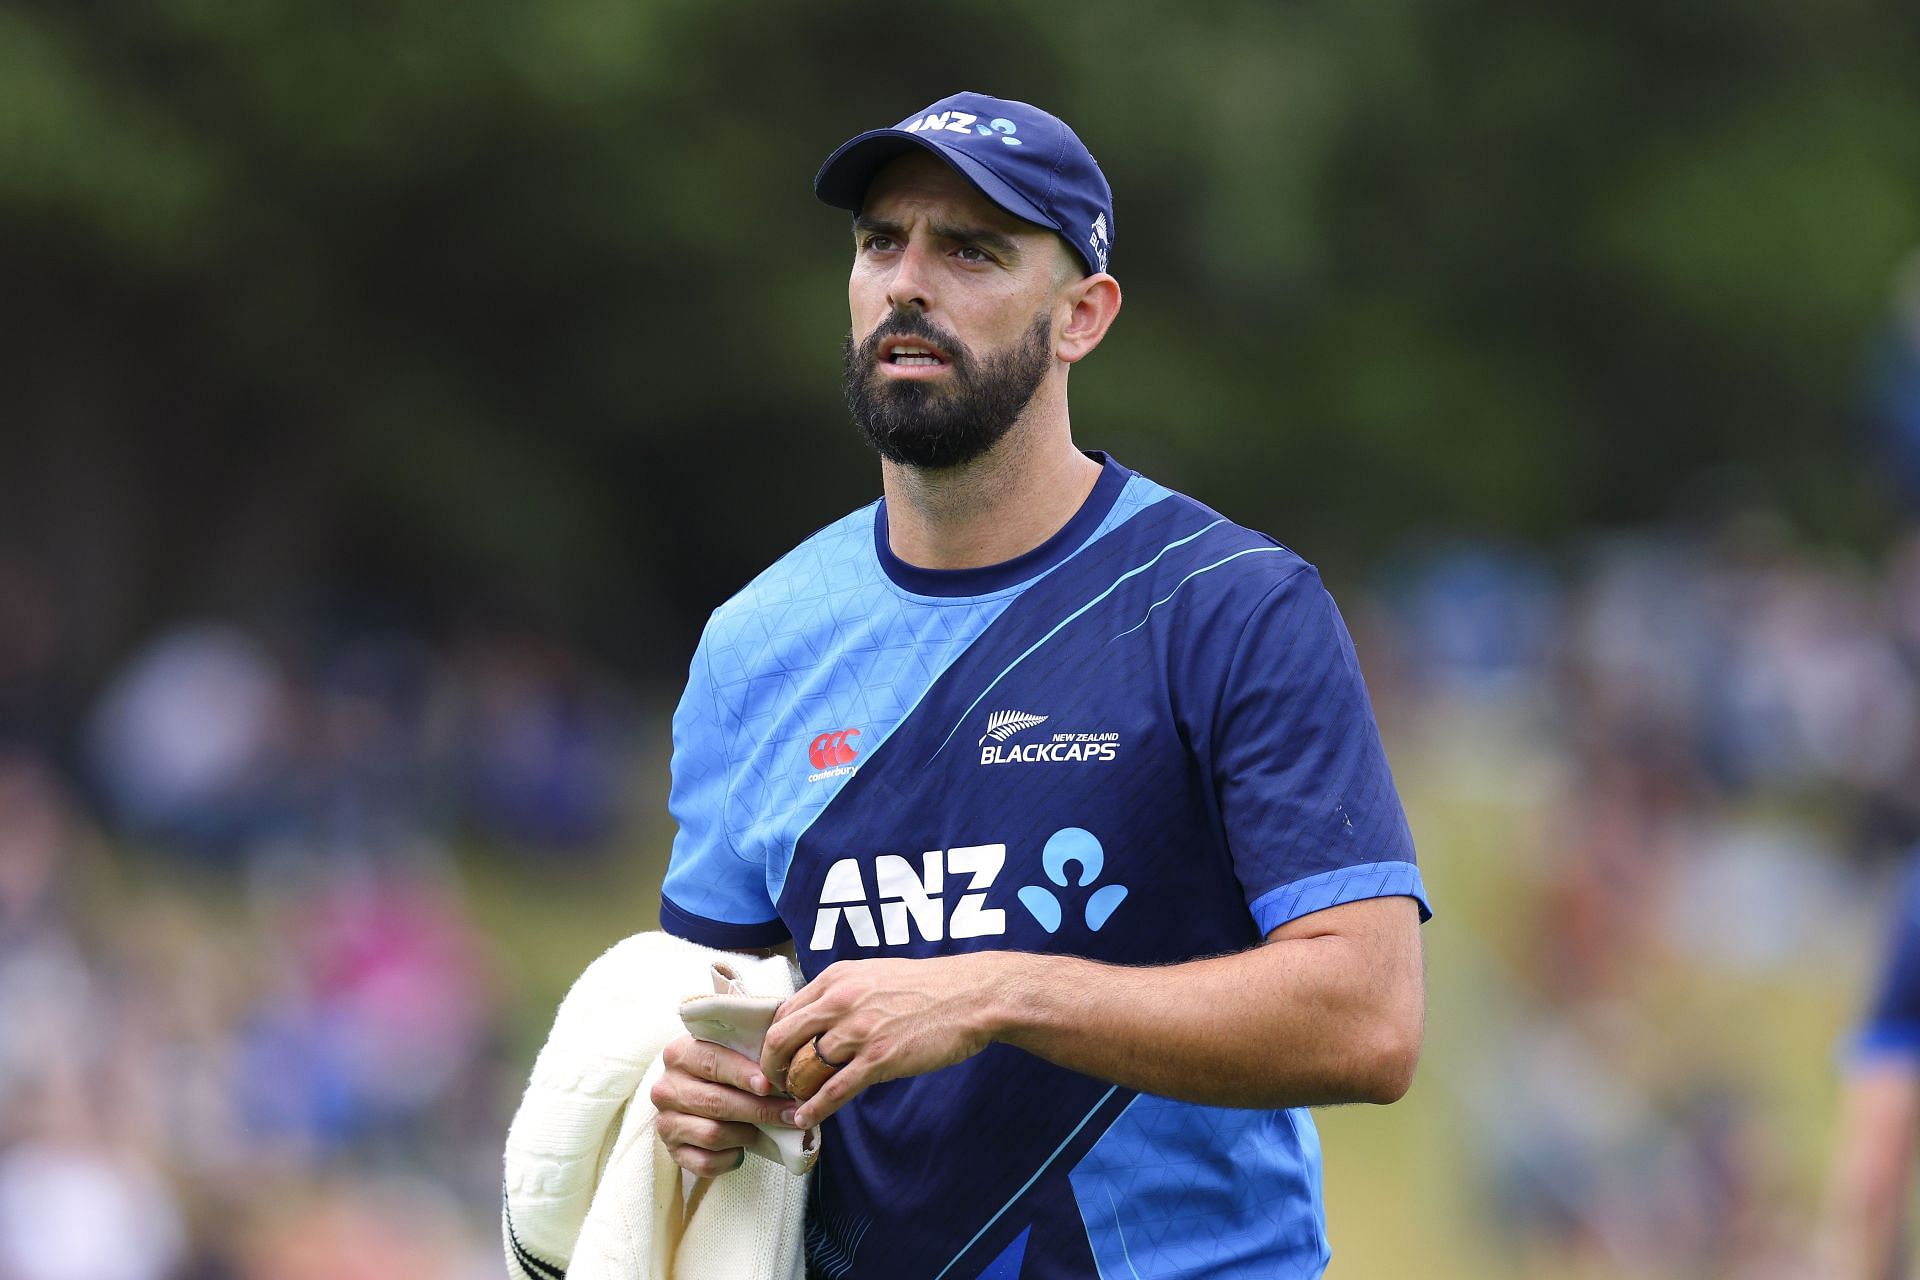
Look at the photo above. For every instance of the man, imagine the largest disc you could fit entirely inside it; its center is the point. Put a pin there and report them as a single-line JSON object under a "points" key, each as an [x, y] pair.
{"points": [[1872, 1185], [1065, 789]]}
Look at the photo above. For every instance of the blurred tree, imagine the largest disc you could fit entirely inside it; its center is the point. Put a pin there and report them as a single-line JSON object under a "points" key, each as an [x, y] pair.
{"points": [[528, 306]]}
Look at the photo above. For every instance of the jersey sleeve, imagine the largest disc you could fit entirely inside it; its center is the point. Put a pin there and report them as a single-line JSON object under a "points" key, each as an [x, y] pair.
{"points": [[1309, 808], [713, 894], [1892, 1026]]}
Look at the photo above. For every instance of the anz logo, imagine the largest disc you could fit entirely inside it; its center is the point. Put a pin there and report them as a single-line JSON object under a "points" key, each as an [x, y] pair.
{"points": [[906, 903], [960, 122], [1064, 849], [906, 896]]}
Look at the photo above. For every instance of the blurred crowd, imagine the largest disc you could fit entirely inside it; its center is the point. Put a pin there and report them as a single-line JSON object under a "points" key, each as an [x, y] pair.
{"points": [[251, 1028], [252, 1024], [1710, 739]]}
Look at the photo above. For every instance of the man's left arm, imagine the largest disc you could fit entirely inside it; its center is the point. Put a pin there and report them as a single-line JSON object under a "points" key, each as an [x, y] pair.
{"points": [[1329, 1009]]}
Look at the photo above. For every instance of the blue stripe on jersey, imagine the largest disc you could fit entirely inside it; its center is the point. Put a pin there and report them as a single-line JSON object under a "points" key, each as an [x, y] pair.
{"points": [[1148, 616], [1341, 885]]}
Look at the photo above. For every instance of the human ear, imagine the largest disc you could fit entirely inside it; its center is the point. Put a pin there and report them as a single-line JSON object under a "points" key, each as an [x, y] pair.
{"points": [[1091, 304]]}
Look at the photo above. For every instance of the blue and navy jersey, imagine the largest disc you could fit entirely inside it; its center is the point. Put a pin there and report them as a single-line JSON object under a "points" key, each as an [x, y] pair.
{"points": [[1144, 742], [1892, 1028]]}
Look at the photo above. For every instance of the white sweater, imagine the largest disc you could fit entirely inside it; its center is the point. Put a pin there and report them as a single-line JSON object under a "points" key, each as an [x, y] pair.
{"points": [[590, 1193]]}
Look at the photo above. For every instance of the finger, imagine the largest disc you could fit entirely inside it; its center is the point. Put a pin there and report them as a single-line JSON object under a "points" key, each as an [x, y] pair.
{"points": [[792, 1012], [809, 1070], [707, 1164], [708, 1135], [804, 996], [842, 1087], [717, 1063], [680, 1094], [784, 1038]]}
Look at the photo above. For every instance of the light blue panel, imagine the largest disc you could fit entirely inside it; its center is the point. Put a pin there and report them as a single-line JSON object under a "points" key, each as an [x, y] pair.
{"points": [[1173, 1189], [1139, 494], [823, 641]]}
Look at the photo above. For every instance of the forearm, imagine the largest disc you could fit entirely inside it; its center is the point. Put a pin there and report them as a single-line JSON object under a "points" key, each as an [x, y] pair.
{"points": [[1295, 1022], [1864, 1228], [1873, 1174], [1328, 1010]]}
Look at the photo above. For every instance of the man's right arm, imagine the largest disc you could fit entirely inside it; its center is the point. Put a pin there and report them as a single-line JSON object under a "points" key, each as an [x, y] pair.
{"points": [[1865, 1227], [1873, 1172]]}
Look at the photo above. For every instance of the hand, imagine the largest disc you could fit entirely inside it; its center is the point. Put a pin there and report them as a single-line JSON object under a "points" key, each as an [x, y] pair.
{"points": [[709, 1099], [884, 1019]]}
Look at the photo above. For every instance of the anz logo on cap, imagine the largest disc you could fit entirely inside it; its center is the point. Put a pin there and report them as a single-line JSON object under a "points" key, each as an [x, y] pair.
{"points": [[961, 122]]}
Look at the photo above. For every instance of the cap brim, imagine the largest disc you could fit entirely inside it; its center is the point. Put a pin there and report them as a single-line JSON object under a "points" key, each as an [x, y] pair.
{"points": [[843, 180]]}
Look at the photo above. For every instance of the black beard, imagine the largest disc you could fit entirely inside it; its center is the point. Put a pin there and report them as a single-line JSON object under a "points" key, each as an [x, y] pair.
{"points": [[918, 424]]}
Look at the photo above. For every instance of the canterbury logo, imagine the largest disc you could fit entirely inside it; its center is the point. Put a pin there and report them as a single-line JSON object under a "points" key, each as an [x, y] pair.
{"points": [[1002, 725], [831, 749]]}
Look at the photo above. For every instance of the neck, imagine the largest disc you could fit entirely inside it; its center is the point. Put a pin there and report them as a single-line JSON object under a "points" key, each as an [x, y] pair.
{"points": [[999, 506]]}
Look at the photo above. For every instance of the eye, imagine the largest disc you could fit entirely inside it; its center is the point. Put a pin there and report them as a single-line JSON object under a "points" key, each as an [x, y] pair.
{"points": [[877, 243], [972, 253]]}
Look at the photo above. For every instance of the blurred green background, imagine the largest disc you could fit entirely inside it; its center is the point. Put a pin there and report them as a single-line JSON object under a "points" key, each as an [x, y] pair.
{"points": [[391, 390]]}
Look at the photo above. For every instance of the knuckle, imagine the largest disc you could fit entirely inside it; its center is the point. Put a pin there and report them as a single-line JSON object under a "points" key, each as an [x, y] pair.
{"points": [[735, 1105], [709, 1102], [692, 1132]]}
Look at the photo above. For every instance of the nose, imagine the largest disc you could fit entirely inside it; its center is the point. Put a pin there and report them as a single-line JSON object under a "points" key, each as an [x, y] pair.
{"points": [[912, 282]]}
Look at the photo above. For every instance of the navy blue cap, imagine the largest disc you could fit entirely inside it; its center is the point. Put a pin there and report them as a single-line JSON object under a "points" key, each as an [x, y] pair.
{"points": [[1024, 160]]}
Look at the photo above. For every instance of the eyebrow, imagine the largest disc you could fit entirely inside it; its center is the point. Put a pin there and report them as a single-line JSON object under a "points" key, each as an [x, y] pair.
{"points": [[985, 237]]}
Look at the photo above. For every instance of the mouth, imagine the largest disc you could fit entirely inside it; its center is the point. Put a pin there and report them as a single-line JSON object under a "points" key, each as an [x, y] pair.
{"points": [[908, 356]]}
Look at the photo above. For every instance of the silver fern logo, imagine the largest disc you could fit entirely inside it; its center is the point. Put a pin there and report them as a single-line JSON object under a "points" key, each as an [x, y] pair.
{"points": [[1002, 725], [1053, 747]]}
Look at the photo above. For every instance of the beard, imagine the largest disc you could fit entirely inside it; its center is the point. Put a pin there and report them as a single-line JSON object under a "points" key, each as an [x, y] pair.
{"points": [[921, 424]]}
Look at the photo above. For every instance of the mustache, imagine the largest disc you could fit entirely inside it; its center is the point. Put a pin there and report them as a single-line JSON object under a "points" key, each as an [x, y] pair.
{"points": [[912, 324]]}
